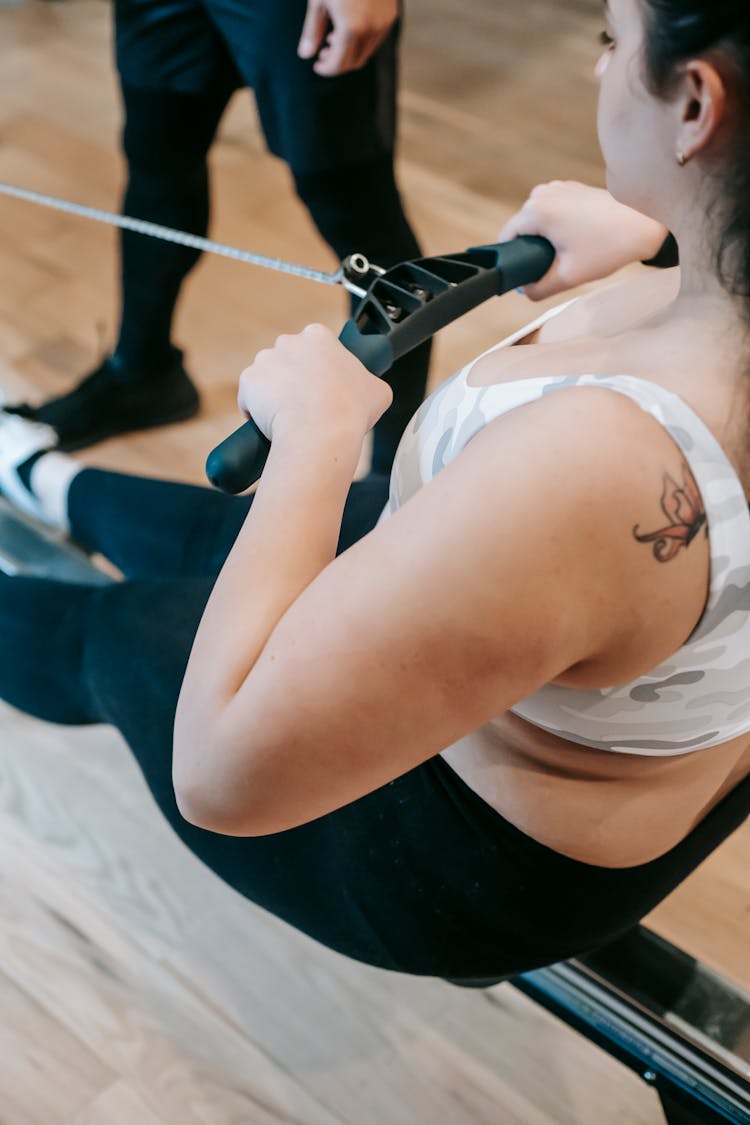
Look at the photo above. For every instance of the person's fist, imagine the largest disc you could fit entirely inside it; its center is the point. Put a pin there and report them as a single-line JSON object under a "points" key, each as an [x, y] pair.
{"points": [[344, 34], [593, 234], [311, 384]]}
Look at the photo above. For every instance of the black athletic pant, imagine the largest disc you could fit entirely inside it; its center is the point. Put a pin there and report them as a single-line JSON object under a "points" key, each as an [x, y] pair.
{"points": [[180, 61], [421, 875]]}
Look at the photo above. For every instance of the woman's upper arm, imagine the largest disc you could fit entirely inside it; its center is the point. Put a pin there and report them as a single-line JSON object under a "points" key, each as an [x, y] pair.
{"points": [[516, 563]]}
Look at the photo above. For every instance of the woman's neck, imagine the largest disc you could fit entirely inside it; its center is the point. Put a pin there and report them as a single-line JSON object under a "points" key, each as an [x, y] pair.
{"points": [[701, 294], [703, 310]]}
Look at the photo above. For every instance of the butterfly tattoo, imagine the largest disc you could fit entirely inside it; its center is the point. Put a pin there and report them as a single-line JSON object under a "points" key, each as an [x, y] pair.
{"points": [[683, 507]]}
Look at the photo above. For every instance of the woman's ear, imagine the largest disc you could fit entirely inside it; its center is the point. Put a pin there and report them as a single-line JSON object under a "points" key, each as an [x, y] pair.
{"points": [[701, 103]]}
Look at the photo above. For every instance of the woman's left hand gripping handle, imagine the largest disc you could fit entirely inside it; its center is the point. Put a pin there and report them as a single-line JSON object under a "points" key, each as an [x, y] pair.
{"points": [[306, 384]]}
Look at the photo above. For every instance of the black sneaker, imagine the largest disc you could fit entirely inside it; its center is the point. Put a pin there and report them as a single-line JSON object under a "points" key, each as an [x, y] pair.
{"points": [[109, 402]]}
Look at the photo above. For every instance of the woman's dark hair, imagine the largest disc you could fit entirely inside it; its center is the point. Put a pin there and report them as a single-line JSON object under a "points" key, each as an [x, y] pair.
{"points": [[677, 30]]}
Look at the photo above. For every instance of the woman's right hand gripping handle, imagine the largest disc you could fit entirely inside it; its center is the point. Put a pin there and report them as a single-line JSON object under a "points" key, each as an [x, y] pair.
{"points": [[593, 234]]}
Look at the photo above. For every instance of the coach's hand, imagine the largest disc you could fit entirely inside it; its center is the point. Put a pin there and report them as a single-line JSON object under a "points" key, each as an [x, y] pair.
{"points": [[344, 34]]}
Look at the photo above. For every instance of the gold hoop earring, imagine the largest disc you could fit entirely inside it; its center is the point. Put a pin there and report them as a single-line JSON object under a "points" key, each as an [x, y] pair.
{"points": [[681, 159]]}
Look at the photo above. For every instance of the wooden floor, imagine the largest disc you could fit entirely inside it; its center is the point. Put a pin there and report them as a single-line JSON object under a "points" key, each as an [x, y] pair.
{"points": [[134, 987]]}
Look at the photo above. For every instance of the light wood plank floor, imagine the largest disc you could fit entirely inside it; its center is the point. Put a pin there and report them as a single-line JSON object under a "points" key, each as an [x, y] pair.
{"points": [[134, 987]]}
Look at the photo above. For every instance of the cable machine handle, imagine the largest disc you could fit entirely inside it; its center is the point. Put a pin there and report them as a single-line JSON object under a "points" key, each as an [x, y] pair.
{"points": [[403, 306]]}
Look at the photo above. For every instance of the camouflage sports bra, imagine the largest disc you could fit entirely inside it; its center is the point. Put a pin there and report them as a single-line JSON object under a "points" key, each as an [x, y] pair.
{"points": [[700, 696]]}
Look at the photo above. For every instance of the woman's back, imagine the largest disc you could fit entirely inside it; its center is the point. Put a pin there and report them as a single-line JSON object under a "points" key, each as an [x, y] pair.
{"points": [[601, 806]]}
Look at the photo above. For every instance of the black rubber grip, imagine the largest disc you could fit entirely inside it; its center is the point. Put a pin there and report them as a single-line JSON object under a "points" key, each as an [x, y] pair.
{"points": [[239, 461]]}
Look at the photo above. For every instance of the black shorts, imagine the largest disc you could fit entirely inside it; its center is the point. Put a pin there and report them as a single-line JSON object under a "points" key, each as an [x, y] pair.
{"points": [[311, 122]]}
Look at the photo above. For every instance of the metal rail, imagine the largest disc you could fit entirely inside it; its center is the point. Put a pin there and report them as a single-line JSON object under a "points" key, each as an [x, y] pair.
{"points": [[28, 547], [682, 1027]]}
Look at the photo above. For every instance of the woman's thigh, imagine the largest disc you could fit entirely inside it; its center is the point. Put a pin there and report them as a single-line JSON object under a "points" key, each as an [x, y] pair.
{"points": [[164, 529]]}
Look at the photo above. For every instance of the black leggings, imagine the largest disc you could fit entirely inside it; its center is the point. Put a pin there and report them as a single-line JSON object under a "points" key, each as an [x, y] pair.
{"points": [[420, 876]]}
